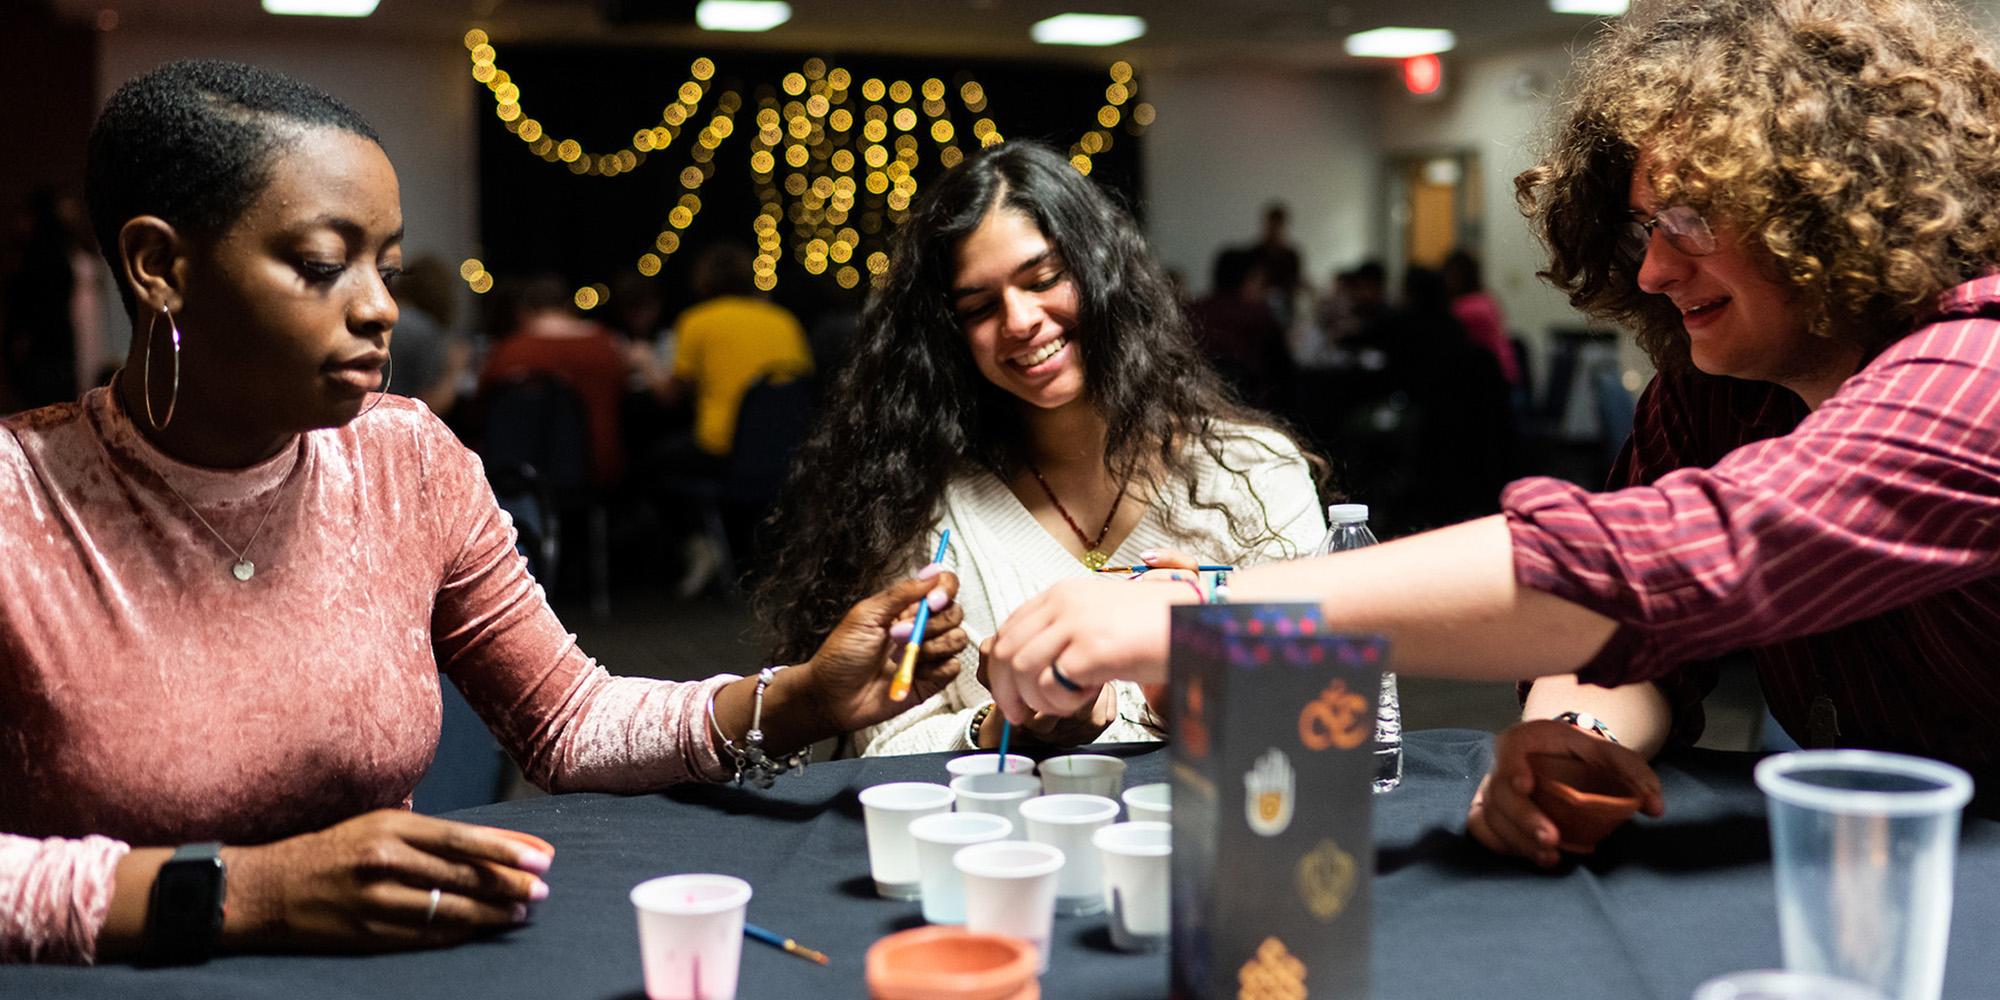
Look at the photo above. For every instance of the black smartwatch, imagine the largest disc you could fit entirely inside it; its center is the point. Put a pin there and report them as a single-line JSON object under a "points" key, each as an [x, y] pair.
{"points": [[184, 915]]}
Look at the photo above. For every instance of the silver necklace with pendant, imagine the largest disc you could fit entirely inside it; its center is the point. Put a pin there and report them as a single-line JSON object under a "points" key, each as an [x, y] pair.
{"points": [[242, 569]]}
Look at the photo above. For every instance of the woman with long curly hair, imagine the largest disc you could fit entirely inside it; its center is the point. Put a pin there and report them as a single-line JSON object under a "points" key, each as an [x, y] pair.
{"points": [[1024, 378], [1796, 205]]}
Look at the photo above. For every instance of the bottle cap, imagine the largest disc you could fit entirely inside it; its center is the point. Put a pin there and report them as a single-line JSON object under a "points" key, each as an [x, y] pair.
{"points": [[1347, 513]]}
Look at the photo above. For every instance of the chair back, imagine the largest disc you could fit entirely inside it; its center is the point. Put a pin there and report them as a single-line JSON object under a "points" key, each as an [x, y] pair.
{"points": [[519, 491], [537, 420], [1614, 405], [772, 421]]}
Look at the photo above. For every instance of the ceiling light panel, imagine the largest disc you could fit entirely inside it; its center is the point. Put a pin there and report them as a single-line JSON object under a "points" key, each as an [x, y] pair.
{"points": [[1400, 43], [741, 15], [1087, 29]]}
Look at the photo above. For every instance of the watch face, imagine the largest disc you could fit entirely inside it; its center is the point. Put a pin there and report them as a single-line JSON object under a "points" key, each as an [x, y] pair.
{"points": [[186, 894], [185, 914]]}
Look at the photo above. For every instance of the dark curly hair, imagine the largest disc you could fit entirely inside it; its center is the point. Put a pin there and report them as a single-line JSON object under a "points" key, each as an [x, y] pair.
{"points": [[910, 411], [192, 142], [1853, 143]]}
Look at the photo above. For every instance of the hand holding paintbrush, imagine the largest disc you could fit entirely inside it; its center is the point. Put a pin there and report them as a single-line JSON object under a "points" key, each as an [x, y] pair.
{"points": [[847, 681], [1085, 726], [899, 688]]}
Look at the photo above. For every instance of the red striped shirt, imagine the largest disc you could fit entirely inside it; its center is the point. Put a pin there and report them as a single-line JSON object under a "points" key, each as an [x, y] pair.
{"points": [[1855, 550]]}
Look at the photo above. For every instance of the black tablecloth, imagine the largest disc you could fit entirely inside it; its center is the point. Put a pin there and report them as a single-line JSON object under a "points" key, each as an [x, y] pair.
{"points": [[1663, 905]]}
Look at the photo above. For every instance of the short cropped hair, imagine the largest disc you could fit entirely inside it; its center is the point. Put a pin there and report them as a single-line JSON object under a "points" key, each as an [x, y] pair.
{"points": [[192, 142]]}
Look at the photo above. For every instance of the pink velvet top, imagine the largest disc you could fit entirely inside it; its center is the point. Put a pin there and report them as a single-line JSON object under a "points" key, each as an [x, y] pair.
{"points": [[152, 699]]}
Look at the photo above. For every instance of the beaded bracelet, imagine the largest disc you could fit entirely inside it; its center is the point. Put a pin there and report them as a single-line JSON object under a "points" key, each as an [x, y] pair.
{"points": [[978, 719], [753, 765]]}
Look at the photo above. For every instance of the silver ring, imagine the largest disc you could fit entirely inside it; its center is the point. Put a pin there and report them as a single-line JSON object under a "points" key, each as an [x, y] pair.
{"points": [[1064, 681], [431, 914]]}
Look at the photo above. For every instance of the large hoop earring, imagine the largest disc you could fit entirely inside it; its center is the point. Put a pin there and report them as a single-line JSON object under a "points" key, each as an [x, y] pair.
{"points": [[146, 371], [388, 376]]}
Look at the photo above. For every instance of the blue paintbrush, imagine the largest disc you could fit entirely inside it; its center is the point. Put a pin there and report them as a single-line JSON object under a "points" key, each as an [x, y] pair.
{"points": [[906, 672]]}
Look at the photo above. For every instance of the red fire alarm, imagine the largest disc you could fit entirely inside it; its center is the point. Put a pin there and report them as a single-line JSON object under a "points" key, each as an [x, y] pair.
{"points": [[1423, 75]]}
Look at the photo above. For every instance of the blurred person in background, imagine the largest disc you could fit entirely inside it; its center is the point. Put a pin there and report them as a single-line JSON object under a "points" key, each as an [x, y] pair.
{"points": [[550, 338], [637, 317], [1358, 311], [428, 355], [1279, 261], [52, 337], [1465, 424], [731, 338], [1479, 312], [1240, 334]]}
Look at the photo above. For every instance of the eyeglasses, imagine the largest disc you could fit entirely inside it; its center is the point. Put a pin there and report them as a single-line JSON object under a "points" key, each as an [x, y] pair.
{"points": [[1684, 228]]}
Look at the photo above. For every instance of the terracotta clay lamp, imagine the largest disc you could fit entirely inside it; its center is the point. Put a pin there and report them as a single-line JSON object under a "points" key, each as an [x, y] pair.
{"points": [[952, 963], [1585, 803]]}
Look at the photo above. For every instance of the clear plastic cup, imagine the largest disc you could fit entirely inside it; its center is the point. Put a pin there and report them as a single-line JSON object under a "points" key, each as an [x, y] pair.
{"points": [[691, 935], [1863, 845], [1150, 803], [1010, 888], [886, 811], [1066, 822], [1137, 859], [940, 836], [1770, 984], [989, 763], [1000, 794], [1084, 774]]}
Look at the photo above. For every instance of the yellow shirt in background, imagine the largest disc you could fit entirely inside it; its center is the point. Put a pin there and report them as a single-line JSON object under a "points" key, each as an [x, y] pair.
{"points": [[724, 346]]}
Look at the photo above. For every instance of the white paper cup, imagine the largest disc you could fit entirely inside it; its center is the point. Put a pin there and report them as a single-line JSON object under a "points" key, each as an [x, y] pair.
{"points": [[1010, 888], [1863, 843], [1084, 774], [939, 837], [1770, 984], [887, 811], [1000, 794], [691, 935], [1066, 822], [989, 763], [1150, 803], [1137, 859]]}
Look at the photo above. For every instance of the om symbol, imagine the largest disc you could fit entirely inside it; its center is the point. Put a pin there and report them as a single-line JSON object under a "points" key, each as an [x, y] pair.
{"points": [[1338, 718]]}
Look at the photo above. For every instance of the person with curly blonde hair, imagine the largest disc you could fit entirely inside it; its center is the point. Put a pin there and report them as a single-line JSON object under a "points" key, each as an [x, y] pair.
{"points": [[1796, 206]]}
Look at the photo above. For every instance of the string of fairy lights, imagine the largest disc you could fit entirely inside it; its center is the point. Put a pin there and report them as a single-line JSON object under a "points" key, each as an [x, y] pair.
{"points": [[830, 180]]}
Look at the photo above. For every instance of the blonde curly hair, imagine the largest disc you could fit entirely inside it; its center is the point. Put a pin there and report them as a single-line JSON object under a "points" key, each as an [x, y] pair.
{"points": [[1852, 143]]}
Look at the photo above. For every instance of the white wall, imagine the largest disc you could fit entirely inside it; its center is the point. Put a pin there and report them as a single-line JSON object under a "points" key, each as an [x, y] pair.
{"points": [[1496, 106], [415, 93], [1228, 142]]}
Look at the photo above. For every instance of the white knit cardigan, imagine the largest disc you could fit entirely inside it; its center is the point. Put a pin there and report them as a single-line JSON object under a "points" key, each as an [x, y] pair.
{"points": [[1003, 557]]}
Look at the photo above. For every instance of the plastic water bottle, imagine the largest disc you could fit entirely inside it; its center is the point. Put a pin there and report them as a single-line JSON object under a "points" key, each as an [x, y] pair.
{"points": [[1348, 529]]}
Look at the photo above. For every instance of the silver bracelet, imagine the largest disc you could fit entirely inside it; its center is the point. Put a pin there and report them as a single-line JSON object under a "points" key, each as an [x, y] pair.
{"points": [[753, 765], [722, 741]]}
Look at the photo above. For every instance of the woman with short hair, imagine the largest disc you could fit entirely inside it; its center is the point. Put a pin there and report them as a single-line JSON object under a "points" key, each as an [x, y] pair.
{"points": [[232, 579]]}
